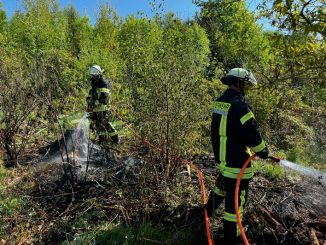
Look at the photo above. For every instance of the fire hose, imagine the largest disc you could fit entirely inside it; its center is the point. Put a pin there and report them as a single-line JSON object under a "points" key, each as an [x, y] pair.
{"points": [[236, 194], [200, 175], [191, 164]]}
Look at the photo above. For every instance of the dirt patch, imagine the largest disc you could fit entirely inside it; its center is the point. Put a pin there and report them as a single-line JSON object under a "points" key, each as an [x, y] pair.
{"points": [[279, 211], [133, 192], [283, 212]]}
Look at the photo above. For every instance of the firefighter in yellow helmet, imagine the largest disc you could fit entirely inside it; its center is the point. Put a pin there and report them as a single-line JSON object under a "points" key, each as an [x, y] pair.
{"points": [[233, 131], [98, 106]]}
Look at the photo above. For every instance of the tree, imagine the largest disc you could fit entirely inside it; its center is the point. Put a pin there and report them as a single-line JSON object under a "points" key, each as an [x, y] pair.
{"points": [[103, 45], [166, 60], [3, 19], [74, 31], [293, 15], [37, 72], [18, 102], [236, 40]]}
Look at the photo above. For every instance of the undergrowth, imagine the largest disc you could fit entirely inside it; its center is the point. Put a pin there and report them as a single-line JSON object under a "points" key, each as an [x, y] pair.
{"points": [[141, 234], [144, 209]]}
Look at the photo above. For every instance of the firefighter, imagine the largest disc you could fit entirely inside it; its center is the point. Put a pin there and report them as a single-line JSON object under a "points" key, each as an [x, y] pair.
{"points": [[98, 106], [234, 135]]}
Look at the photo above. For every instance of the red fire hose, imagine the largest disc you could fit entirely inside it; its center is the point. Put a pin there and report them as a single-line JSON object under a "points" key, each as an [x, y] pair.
{"points": [[236, 203], [203, 190], [191, 164], [236, 194]]}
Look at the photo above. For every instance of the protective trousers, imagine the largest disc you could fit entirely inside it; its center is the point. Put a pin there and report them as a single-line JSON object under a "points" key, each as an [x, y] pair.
{"points": [[100, 122], [225, 190]]}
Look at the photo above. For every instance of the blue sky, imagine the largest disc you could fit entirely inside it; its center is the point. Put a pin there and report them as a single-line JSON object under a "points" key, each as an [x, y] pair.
{"points": [[183, 8]]}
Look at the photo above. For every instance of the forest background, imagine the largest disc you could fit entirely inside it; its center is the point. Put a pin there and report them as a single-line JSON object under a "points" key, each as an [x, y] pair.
{"points": [[166, 71]]}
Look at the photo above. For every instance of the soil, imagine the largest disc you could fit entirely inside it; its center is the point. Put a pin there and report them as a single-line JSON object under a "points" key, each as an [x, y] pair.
{"points": [[291, 210], [279, 211], [286, 212]]}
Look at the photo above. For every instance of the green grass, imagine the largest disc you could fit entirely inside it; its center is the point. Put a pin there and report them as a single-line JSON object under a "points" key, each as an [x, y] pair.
{"points": [[134, 235], [3, 171], [269, 169], [9, 203]]}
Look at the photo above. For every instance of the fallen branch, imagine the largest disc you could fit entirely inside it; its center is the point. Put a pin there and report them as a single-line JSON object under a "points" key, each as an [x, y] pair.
{"points": [[271, 219], [313, 237]]}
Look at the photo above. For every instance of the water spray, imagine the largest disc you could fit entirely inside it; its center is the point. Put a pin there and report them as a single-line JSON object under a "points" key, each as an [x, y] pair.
{"points": [[320, 176], [311, 172]]}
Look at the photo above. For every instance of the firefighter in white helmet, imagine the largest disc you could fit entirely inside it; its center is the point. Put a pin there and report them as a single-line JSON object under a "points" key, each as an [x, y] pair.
{"points": [[98, 105], [233, 131]]}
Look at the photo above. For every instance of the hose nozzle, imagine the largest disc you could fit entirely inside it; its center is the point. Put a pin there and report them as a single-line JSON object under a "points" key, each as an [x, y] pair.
{"points": [[276, 159]]}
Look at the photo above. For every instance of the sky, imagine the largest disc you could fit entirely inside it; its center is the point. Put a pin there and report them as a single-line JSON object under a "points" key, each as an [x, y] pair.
{"points": [[184, 9]]}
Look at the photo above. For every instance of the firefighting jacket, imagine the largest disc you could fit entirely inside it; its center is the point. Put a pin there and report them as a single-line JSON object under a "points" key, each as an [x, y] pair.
{"points": [[233, 130], [99, 96]]}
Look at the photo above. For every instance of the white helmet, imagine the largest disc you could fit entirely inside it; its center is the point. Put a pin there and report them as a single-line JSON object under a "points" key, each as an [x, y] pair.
{"points": [[95, 70], [239, 73]]}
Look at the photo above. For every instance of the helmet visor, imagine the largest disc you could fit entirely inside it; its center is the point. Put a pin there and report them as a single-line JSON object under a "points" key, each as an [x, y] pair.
{"points": [[251, 79]]}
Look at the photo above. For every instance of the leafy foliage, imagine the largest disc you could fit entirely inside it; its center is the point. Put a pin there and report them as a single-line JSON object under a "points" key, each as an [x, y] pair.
{"points": [[309, 16], [235, 37], [165, 61], [158, 69]]}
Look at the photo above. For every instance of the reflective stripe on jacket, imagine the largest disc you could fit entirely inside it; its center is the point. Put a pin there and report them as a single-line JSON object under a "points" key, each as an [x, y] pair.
{"points": [[233, 130], [99, 96]]}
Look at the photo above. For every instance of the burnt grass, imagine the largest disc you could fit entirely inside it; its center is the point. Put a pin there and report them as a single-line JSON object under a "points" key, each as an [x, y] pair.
{"points": [[284, 212], [279, 211]]}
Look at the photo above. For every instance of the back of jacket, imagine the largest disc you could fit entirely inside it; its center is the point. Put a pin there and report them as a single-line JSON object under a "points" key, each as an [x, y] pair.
{"points": [[99, 95], [233, 129]]}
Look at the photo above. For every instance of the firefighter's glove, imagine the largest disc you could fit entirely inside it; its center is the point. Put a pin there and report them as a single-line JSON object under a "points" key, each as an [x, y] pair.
{"points": [[263, 154]]}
